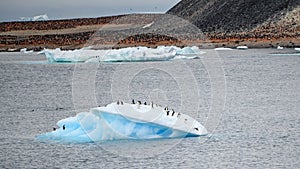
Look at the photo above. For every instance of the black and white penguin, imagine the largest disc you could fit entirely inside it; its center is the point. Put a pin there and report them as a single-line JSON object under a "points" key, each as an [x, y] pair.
{"points": [[178, 115], [64, 127], [133, 102], [173, 112]]}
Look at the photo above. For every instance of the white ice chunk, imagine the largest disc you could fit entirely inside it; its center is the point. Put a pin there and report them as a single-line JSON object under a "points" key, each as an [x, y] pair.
{"points": [[279, 47], [221, 49], [35, 18], [242, 47], [130, 54], [24, 50]]}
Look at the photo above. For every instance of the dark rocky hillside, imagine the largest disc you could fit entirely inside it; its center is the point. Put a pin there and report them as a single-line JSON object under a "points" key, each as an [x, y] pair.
{"points": [[233, 15], [227, 23]]}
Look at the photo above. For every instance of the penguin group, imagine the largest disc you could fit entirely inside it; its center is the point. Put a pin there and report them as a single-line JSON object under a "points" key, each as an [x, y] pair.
{"points": [[166, 109], [120, 102], [171, 113]]}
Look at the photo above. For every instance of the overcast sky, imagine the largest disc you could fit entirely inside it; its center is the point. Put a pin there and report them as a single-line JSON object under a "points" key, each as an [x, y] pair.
{"points": [[59, 9]]}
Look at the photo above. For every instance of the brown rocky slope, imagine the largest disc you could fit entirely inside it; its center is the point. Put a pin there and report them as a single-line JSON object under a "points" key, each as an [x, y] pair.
{"points": [[229, 23], [253, 22]]}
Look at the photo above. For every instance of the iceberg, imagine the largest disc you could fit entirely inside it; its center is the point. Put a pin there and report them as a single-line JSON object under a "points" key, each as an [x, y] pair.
{"points": [[120, 120], [221, 49], [279, 47], [297, 49], [242, 47], [24, 50], [35, 18], [130, 54]]}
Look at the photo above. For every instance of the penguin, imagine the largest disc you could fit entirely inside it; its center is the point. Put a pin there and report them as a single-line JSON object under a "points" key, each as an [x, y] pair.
{"points": [[152, 104], [196, 128], [185, 121], [145, 103], [64, 127], [54, 128], [118, 102], [122, 103], [173, 112], [178, 115], [168, 112], [133, 102]]}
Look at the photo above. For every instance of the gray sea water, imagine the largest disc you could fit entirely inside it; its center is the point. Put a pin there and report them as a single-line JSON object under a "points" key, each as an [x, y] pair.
{"points": [[257, 125]]}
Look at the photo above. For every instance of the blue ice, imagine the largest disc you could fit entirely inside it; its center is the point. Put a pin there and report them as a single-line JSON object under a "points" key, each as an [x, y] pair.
{"points": [[95, 127]]}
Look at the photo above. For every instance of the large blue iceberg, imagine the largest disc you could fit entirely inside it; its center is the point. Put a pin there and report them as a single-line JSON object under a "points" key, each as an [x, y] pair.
{"points": [[125, 121], [130, 54]]}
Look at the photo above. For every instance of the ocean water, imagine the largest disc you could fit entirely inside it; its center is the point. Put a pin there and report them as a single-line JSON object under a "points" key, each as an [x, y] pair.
{"points": [[257, 124]]}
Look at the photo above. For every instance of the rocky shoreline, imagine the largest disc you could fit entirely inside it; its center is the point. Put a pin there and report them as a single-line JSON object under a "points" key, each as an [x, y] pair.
{"points": [[278, 26]]}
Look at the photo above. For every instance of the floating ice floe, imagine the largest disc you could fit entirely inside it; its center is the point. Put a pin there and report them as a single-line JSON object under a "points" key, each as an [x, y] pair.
{"points": [[242, 47], [35, 18], [279, 47], [130, 54], [24, 50], [298, 49], [220, 49], [125, 121]]}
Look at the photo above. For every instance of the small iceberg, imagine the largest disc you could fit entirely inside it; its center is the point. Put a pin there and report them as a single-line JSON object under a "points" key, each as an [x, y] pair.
{"points": [[279, 47], [120, 120], [242, 47], [24, 50], [35, 18], [130, 54], [221, 49], [297, 49]]}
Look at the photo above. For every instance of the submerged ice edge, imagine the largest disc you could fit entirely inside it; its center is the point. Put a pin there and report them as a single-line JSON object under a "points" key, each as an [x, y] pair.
{"points": [[130, 54], [100, 124]]}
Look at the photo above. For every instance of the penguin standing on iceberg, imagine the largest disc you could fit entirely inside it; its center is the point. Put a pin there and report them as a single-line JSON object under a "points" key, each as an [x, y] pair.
{"points": [[173, 112], [178, 115], [139, 104], [168, 112]]}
